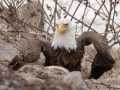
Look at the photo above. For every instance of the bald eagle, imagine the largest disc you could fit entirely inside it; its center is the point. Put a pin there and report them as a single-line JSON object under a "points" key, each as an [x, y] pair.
{"points": [[67, 51]]}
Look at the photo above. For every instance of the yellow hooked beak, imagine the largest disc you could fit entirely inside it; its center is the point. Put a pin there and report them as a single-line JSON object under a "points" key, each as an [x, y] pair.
{"points": [[60, 28]]}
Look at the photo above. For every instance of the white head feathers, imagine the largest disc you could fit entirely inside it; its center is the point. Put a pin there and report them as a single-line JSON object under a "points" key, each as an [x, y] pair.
{"points": [[67, 38], [63, 20]]}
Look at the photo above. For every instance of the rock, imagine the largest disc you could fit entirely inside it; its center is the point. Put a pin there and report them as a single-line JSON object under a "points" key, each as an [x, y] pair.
{"points": [[7, 51], [31, 13], [45, 73], [75, 80], [10, 81]]}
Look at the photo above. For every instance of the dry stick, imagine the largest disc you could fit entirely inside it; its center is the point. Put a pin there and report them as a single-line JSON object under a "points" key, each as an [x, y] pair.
{"points": [[13, 3], [114, 37], [39, 14], [9, 22], [20, 4], [105, 7], [112, 20], [47, 19], [44, 11], [70, 6], [35, 9], [115, 34], [105, 85], [36, 28], [43, 18], [6, 2], [74, 17], [108, 21], [89, 53], [102, 14], [102, 8], [96, 10], [10, 67], [113, 44], [75, 11], [96, 15], [114, 12], [58, 14], [42, 30], [45, 14], [84, 14], [40, 19], [12, 25], [14, 28], [14, 7], [2, 6], [53, 16], [10, 2], [42, 3]]}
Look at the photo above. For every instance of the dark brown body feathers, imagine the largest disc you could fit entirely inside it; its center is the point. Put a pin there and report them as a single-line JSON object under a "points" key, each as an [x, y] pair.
{"points": [[103, 61], [61, 57]]}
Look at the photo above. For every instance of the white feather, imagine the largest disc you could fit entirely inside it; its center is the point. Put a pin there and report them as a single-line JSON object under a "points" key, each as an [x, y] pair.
{"points": [[65, 40]]}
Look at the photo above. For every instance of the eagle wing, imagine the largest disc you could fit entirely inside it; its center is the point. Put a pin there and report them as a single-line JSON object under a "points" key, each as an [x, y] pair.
{"points": [[28, 54], [103, 61]]}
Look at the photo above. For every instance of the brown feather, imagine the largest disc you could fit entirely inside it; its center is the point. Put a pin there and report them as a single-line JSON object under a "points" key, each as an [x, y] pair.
{"points": [[61, 57], [103, 61]]}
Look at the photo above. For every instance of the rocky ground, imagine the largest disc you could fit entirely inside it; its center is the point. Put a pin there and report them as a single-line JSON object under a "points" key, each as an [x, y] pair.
{"points": [[37, 77]]}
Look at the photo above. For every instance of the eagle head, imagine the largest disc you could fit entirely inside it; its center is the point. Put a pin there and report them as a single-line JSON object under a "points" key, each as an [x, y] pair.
{"points": [[64, 35], [62, 26]]}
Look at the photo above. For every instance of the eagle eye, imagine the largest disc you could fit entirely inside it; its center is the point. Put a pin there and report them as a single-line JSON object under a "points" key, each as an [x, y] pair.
{"points": [[66, 24]]}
